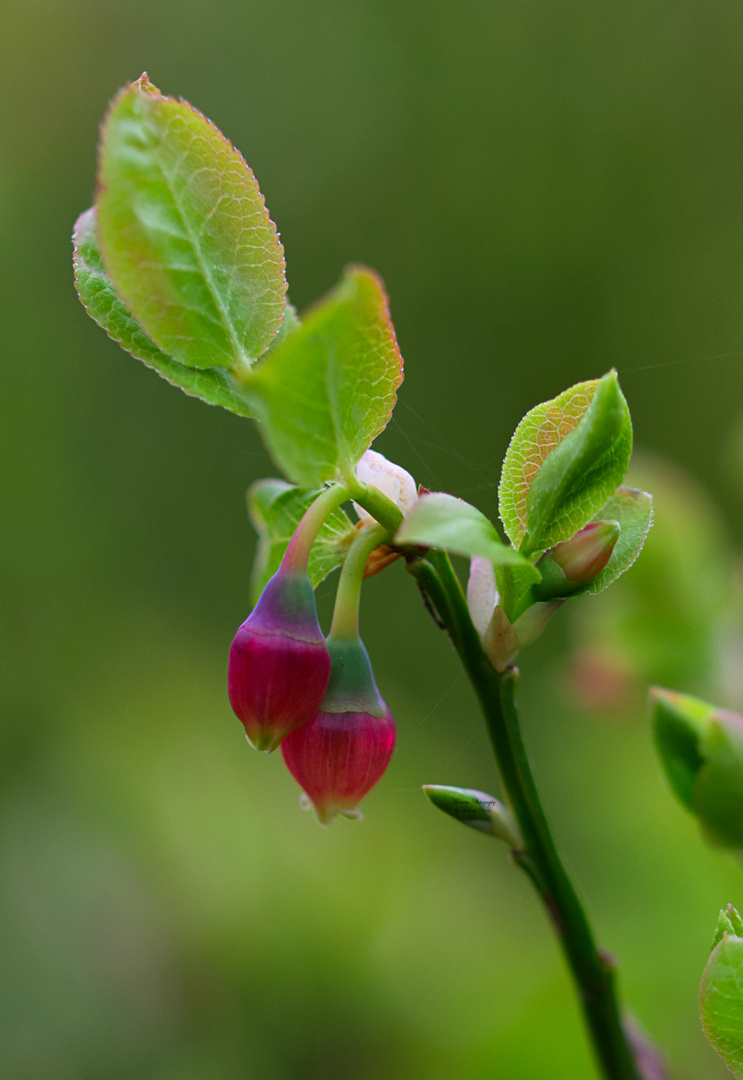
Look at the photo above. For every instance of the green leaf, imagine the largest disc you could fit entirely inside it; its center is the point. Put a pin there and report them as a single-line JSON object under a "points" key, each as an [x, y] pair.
{"points": [[216, 386], [567, 456], [328, 390], [476, 809], [536, 436], [633, 510], [185, 234], [721, 1001], [443, 521], [275, 509]]}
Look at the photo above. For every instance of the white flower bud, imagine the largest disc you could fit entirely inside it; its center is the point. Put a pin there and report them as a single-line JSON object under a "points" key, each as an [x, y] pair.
{"points": [[391, 479]]}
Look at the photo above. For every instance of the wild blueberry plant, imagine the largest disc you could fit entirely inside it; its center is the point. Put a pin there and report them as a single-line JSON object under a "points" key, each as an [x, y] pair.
{"points": [[181, 265]]}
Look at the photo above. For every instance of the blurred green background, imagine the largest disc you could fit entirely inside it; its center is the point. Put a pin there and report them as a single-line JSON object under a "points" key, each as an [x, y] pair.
{"points": [[548, 190]]}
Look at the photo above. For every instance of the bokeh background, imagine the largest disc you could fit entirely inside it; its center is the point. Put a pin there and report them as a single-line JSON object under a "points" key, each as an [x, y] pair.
{"points": [[548, 190]]}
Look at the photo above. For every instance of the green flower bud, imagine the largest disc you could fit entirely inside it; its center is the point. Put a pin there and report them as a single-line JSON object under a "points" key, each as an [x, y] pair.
{"points": [[478, 810], [701, 749]]}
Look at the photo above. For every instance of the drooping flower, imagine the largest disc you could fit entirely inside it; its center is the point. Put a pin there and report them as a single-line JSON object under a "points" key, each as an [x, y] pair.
{"points": [[279, 663], [339, 756]]}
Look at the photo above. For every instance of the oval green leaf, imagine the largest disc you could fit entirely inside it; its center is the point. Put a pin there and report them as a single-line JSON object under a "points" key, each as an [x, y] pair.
{"points": [[443, 521], [536, 436], [567, 456], [721, 1001], [275, 509], [185, 234], [326, 391], [216, 386]]}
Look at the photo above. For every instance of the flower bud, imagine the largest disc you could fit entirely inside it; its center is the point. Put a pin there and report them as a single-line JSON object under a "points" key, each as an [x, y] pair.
{"points": [[478, 810], [499, 640], [341, 754], [279, 663], [503, 639], [391, 479], [701, 749], [729, 922], [577, 561]]}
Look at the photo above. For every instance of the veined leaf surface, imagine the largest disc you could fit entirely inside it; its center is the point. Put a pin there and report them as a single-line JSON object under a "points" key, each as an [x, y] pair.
{"points": [[216, 386], [567, 456], [185, 234], [328, 389], [721, 995], [443, 521]]}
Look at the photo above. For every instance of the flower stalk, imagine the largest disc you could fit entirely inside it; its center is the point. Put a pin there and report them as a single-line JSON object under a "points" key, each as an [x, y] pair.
{"points": [[297, 555], [345, 622]]}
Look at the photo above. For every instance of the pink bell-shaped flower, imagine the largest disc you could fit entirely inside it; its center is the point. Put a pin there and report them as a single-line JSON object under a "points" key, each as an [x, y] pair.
{"points": [[279, 663], [339, 756]]}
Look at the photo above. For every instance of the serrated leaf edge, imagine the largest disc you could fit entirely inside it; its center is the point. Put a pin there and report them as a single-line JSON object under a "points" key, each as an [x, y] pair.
{"points": [[223, 372]]}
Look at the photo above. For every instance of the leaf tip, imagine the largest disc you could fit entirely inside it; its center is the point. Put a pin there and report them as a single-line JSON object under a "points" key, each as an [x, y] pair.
{"points": [[660, 693], [144, 85]]}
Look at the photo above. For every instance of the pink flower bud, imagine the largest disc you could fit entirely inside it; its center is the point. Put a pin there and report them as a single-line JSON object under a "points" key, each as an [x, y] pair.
{"points": [[341, 754], [580, 559], [279, 663]]}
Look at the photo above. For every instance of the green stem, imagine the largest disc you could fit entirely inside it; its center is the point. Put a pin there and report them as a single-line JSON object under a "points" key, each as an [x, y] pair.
{"points": [[345, 623], [592, 970], [296, 557], [378, 505]]}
